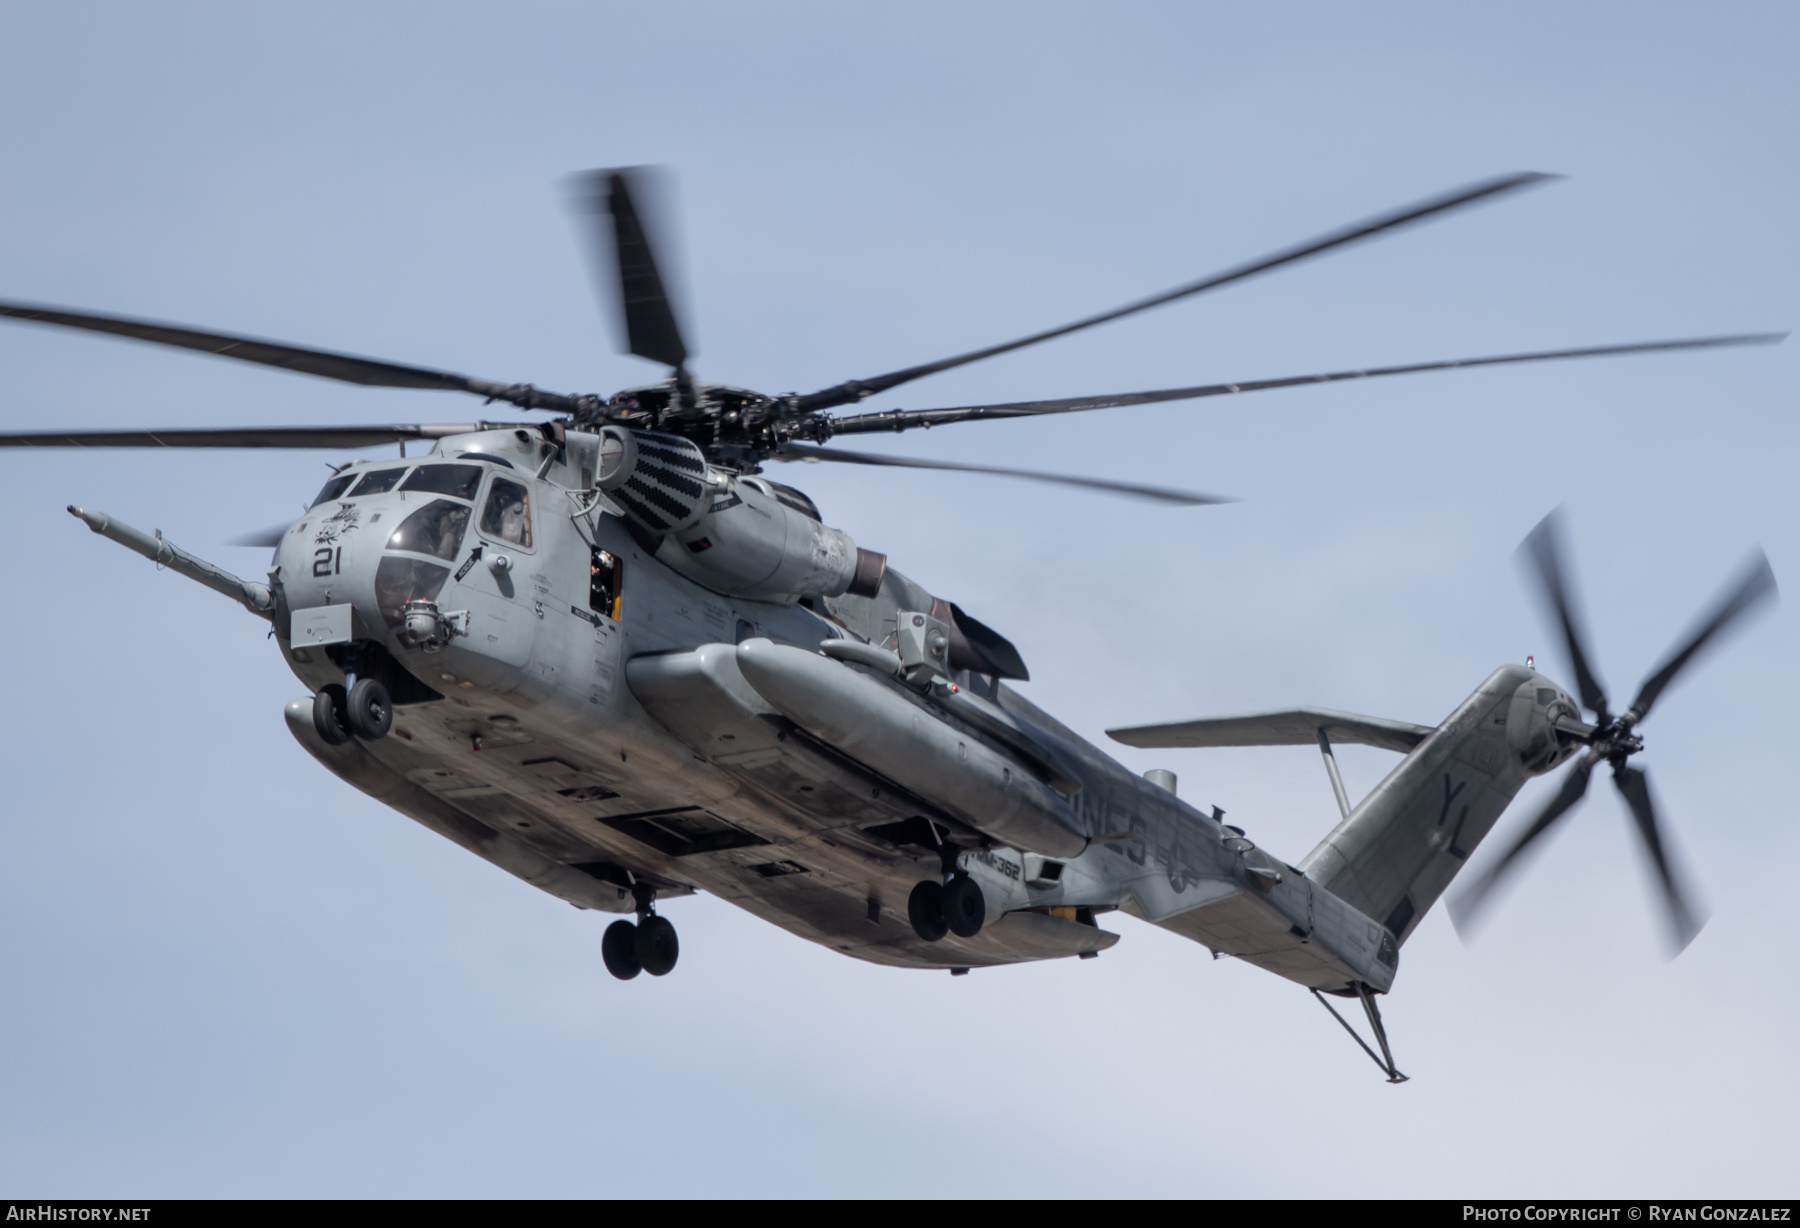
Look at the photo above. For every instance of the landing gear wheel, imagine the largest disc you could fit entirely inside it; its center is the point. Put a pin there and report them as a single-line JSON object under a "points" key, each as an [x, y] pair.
{"points": [[965, 908], [657, 949], [619, 950], [328, 715], [925, 909], [369, 713]]}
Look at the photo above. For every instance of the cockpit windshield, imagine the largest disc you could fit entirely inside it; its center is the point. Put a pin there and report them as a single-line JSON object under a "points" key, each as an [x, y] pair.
{"points": [[333, 488], [437, 528], [376, 482], [459, 481]]}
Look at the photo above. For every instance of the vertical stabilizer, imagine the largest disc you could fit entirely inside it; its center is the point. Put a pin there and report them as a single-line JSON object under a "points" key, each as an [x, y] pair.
{"points": [[1397, 851]]}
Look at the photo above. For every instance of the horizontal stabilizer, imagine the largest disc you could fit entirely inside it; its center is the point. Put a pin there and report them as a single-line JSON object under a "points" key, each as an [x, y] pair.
{"points": [[1289, 727]]}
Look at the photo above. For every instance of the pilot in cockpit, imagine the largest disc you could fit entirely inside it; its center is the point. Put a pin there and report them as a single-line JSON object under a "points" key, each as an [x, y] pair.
{"points": [[508, 514]]}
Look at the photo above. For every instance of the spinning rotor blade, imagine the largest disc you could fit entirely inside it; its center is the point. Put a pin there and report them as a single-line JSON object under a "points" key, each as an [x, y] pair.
{"points": [[346, 367], [268, 538], [1543, 545], [851, 391], [650, 327], [1635, 786], [902, 419], [250, 436], [1159, 494], [1756, 586], [1574, 787]]}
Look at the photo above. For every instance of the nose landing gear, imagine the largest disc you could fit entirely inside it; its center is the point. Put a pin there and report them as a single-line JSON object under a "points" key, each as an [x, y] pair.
{"points": [[369, 711], [366, 711], [328, 715], [649, 946]]}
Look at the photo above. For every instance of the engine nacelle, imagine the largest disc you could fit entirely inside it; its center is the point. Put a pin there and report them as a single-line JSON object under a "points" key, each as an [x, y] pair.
{"points": [[741, 536], [761, 540], [661, 481]]}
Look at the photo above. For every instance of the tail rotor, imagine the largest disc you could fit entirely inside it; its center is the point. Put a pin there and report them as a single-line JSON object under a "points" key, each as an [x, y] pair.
{"points": [[1613, 740]]}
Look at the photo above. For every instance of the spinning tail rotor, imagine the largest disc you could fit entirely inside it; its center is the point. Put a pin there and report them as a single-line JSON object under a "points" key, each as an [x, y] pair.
{"points": [[1613, 740]]}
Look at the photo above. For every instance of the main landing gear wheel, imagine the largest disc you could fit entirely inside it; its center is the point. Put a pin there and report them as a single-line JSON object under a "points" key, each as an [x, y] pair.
{"points": [[925, 909], [657, 948], [619, 950], [965, 908], [328, 715], [369, 712]]}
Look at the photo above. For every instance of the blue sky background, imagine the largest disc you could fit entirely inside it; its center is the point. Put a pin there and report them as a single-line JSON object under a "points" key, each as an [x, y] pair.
{"points": [[223, 972]]}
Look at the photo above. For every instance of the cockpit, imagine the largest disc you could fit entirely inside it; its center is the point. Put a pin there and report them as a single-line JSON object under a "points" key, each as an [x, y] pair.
{"points": [[459, 480], [418, 553], [507, 517]]}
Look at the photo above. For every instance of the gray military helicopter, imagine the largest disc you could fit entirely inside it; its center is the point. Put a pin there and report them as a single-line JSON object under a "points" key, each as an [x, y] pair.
{"points": [[607, 654]]}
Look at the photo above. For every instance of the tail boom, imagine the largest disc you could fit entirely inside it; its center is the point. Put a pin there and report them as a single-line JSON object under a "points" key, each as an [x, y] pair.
{"points": [[1396, 852]]}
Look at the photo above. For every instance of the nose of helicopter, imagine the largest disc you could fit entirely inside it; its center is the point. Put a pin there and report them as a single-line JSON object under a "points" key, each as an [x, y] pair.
{"points": [[333, 556], [379, 551]]}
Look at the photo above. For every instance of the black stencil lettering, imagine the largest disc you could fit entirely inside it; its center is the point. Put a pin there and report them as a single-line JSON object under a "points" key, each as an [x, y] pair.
{"points": [[1449, 796]]}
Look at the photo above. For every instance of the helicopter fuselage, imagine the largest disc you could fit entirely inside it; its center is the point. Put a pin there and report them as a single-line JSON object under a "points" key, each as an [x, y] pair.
{"points": [[584, 722]]}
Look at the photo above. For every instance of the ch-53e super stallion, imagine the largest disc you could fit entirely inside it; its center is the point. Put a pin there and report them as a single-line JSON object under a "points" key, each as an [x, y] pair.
{"points": [[607, 654]]}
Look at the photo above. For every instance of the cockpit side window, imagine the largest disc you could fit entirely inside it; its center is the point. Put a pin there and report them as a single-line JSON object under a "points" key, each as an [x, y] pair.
{"points": [[507, 516], [376, 482], [333, 488], [458, 481], [437, 528]]}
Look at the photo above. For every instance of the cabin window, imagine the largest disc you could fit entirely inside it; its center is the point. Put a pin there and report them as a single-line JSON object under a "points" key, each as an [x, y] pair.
{"points": [[437, 528], [333, 488], [604, 573], [377, 482], [458, 481], [507, 517]]}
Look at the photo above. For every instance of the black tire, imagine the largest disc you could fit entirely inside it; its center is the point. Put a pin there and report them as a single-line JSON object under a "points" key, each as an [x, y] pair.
{"points": [[965, 908], [925, 909], [328, 715], [657, 948], [619, 949], [370, 713]]}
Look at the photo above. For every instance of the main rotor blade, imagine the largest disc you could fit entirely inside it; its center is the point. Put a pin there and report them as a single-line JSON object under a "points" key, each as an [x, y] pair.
{"points": [[1543, 547], [851, 391], [1467, 904], [346, 367], [650, 327], [903, 419], [1756, 586], [1635, 786], [267, 538], [1159, 494], [333, 437]]}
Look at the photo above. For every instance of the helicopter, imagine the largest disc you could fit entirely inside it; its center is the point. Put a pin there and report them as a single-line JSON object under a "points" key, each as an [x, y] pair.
{"points": [[603, 651]]}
